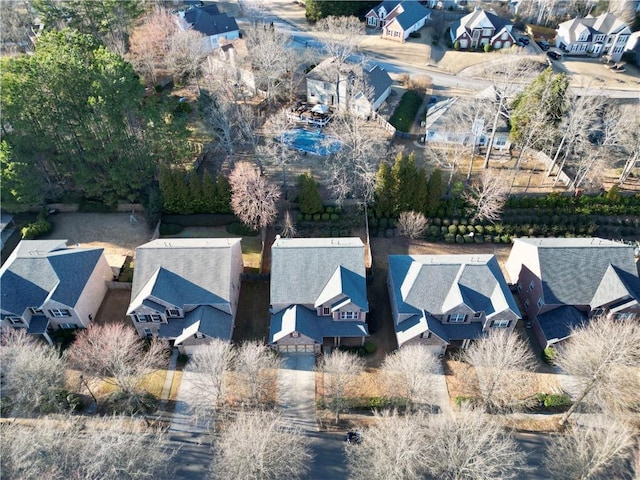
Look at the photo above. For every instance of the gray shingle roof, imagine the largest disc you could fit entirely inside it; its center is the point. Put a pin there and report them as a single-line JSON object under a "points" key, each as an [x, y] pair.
{"points": [[573, 269], [41, 269], [300, 319], [557, 323], [439, 283], [184, 271], [302, 267], [605, 23], [209, 21], [412, 14]]}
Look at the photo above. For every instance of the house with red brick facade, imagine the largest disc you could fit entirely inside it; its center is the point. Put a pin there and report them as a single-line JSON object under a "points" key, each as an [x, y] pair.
{"points": [[475, 30]]}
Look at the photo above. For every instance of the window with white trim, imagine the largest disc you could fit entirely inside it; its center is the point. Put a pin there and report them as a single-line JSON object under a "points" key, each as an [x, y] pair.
{"points": [[143, 318], [457, 318], [36, 311], [59, 313], [348, 315], [500, 323], [624, 316], [68, 326], [326, 311], [295, 334], [477, 314], [172, 312], [199, 335], [147, 332], [540, 302], [156, 318]]}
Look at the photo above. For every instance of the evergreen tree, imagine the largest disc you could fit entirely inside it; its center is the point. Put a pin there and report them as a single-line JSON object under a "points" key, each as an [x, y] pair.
{"points": [[223, 195], [309, 197], [208, 192], [20, 185], [384, 194], [420, 191], [168, 190], [435, 190], [196, 194], [183, 200], [407, 184]]}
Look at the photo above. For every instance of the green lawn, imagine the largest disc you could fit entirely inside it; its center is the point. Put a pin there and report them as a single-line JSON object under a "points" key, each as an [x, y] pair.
{"points": [[406, 111]]}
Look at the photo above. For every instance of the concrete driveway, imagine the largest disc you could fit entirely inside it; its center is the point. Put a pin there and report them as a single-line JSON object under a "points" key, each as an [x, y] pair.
{"points": [[297, 390]]}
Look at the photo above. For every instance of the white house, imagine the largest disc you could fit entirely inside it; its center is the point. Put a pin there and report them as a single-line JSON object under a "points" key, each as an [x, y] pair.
{"points": [[398, 19], [479, 28], [207, 20], [594, 36], [47, 286]]}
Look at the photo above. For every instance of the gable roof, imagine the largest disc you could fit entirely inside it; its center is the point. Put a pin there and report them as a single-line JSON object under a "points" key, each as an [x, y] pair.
{"points": [[208, 321], [411, 12], [388, 5], [303, 268], [38, 270], [557, 324], [376, 79], [478, 19], [439, 283], [606, 23], [209, 21], [572, 270], [184, 271]]}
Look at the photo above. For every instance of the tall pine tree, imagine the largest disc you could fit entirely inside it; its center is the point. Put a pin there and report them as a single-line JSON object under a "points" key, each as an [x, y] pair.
{"points": [[385, 205]]}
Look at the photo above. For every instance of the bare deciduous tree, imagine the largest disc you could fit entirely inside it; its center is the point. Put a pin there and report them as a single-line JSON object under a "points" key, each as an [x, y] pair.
{"points": [[186, 54], [602, 358], [32, 375], [340, 372], [261, 445], [488, 196], [253, 197], [78, 448], [341, 36], [599, 450], [118, 356], [275, 147], [407, 373], [467, 445], [629, 142], [470, 445], [392, 449], [352, 169], [412, 224], [209, 365], [149, 44], [258, 365], [501, 360], [273, 60], [289, 229]]}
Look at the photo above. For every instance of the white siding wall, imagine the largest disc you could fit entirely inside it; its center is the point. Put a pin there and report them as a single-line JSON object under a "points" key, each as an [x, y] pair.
{"points": [[96, 288]]}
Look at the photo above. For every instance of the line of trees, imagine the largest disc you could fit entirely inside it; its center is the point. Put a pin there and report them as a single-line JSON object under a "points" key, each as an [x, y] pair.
{"points": [[184, 193]]}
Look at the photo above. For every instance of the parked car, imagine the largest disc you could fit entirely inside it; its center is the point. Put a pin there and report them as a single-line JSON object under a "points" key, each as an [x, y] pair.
{"points": [[523, 41], [354, 437], [544, 45], [554, 55]]}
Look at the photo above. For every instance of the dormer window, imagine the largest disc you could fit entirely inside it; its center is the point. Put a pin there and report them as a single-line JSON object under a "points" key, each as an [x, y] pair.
{"points": [[172, 313], [457, 318], [295, 334], [15, 320], [477, 315], [199, 335]]}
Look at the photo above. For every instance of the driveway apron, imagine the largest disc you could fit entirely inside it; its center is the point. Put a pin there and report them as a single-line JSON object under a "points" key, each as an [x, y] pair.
{"points": [[297, 390]]}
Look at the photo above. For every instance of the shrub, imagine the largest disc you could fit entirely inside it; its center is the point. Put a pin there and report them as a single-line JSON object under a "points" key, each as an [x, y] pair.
{"points": [[478, 238], [239, 228], [406, 111], [462, 400], [456, 45], [183, 108], [449, 238], [384, 223], [557, 401], [334, 216], [487, 47], [370, 347], [170, 229], [462, 229], [329, 210], [453, 229], [378, 402], [326, 217], [459, 239], [317, 217], [36, 229], [549, 355]]}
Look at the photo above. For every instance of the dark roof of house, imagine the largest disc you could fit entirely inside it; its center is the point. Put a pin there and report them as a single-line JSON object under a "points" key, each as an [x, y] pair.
{"points": [[579, 271], [387, 4], [605, 23], [203, 319], [298, 318], [378, 80], [474, 19], [463, 331], [41, 269], [412, 14], [209, 21], [303, 268], [38, 324], [184, 271], [557, 324], [440, 283]]}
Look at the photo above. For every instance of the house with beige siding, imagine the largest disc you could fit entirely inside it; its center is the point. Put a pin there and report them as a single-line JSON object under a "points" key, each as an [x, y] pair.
{"points": [[594, 36], [318, 294], [186, 290], [447, 301], [46, 286], [563, 282]]}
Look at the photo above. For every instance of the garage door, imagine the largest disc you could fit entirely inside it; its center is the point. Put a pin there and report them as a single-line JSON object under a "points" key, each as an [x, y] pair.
{"points": [[295, 348], [464, 43], [497, 45]]}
